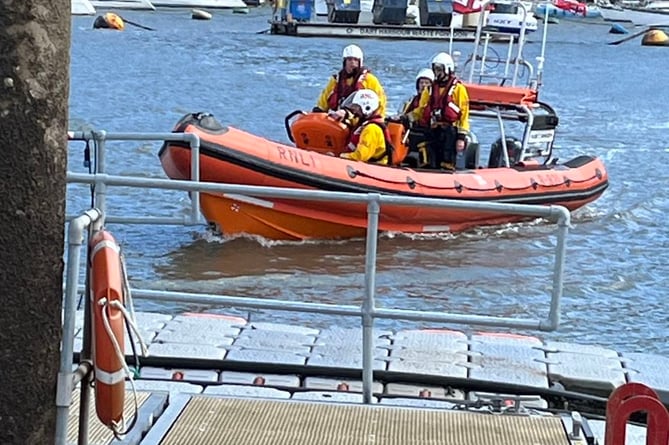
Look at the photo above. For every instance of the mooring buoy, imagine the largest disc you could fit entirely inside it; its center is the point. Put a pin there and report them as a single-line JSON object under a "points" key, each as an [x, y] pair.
{"points": [[617, 28], [200, 14], [655, 37]]}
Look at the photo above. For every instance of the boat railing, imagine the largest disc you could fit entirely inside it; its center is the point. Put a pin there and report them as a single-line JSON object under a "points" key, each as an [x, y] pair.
{"points": [[494, 77], [514, 61], [368, 311]]}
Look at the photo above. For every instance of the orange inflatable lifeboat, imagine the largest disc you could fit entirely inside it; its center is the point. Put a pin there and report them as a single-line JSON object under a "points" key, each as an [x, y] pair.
{"points": [[512, 174], [106, 280], [319, 132]]}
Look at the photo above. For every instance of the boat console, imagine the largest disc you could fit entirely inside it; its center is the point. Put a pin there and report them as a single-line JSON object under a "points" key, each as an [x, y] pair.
{"points": [[506, 89]]}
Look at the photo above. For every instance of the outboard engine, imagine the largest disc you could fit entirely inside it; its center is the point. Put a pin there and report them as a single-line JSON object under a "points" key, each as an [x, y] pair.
{"points": [[513, 148], [470, 160]]}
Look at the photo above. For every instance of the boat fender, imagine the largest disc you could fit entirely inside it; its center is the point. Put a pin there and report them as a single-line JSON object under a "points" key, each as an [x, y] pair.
{"points": [[107, 294], [200, 14]]}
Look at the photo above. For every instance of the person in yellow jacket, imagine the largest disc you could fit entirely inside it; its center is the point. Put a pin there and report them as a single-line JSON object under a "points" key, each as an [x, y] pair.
{"points": [[370, 140], [445, 109], [352, 77], [424, 80]]}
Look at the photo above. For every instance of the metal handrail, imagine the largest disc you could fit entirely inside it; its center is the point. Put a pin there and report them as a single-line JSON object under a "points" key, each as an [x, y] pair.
{"points": [[368, 311]]}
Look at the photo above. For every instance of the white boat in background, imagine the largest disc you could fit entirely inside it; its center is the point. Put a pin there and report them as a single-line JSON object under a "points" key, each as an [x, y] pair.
{"points": [[82, 7], [640, 16], [211, 4], [510, 17], [568, 10], [145, 5]]}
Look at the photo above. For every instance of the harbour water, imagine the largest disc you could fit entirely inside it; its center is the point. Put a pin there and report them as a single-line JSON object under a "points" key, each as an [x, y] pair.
{"points": [[611, 101]]}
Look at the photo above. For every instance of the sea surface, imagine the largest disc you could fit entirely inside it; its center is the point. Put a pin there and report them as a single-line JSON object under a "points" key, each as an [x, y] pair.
{"points": [[612, 102]]}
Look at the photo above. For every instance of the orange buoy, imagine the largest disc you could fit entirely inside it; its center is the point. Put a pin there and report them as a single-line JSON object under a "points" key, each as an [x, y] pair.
{"points": [[109, 21], [655, 37], [106, 279]]}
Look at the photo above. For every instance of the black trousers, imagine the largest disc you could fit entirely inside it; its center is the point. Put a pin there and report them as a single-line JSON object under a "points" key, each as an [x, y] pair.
{"points": [[441, 146]]}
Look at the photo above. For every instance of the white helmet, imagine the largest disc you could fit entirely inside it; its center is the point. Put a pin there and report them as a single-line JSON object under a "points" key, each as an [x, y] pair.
{"points": [[444, 60], [353, 51], [425, 73], [367, 100]]}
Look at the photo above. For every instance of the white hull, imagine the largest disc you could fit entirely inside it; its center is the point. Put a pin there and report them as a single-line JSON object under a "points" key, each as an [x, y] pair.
{"points": [[145, 5], [82, 7], [635, 16], [212, 4], [511, 23]]}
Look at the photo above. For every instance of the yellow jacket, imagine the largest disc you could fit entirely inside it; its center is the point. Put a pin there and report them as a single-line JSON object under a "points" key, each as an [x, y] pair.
{"points": [[461, 99], [372, 145], [370, 82]]}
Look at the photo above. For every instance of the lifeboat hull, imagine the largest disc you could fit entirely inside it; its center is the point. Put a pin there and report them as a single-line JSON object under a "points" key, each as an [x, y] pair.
{"points": [[232, 156]]}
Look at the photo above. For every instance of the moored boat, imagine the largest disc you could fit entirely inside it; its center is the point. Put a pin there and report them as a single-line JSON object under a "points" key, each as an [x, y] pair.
{"points": [[568, 10], [635, 15], [518, 169], [210, 4], [511, 17], [143, 5], [82, 7]]}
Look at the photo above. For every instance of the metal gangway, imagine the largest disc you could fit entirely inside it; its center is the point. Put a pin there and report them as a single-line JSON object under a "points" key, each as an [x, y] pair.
{"points": [[82, 226]]}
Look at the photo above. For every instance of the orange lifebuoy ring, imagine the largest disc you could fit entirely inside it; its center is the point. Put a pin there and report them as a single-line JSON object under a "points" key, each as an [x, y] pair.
{"points": [[108, 328]]}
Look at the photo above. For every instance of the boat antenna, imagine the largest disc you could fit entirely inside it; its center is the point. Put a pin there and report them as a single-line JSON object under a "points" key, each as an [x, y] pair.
{"points": [[542, 56], [477, 38], [521, 43]]}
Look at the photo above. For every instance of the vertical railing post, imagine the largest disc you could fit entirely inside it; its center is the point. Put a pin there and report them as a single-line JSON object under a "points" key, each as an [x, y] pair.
{"points": [[65, 375], [563, 222], [100, 138], [195, 176], [368, 305]]}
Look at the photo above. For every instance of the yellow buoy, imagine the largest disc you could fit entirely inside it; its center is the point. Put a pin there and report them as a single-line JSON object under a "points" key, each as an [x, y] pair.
{"points": [[655, 37]]}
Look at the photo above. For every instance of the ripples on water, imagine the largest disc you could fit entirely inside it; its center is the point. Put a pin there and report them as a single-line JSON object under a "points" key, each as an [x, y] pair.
{"points": [[611, 101]]}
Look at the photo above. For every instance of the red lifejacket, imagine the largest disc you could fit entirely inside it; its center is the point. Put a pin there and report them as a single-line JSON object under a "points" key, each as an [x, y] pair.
{"points": [[342, 89], [355, 137], [441, 108], [412, 105]]}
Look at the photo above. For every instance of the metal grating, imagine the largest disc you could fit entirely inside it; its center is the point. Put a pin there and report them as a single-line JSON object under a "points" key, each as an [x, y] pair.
{"points": [[98, 434], [218, 421]]}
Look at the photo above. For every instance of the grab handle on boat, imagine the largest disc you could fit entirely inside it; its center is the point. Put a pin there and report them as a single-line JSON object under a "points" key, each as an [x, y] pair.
{"points": [[287, 123]]}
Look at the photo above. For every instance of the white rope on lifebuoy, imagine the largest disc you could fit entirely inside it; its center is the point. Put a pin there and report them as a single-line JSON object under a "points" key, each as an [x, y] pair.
{"points": [[120, 429]]}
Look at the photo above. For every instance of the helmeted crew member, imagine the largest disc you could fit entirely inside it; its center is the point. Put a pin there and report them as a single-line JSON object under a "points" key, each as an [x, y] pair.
{"points": [[352, 77], [370, 139], [424, 80], [445, 109]]}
